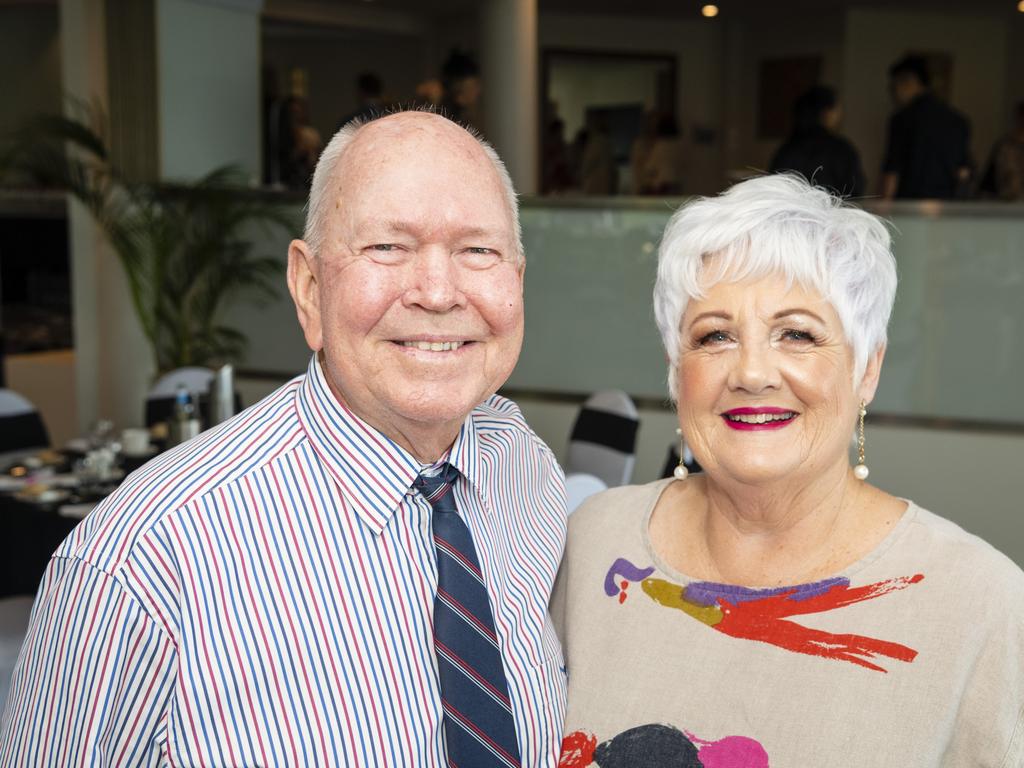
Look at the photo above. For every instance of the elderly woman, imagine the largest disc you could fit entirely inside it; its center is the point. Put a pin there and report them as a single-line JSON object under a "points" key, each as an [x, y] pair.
{"points": [[777, 609]]}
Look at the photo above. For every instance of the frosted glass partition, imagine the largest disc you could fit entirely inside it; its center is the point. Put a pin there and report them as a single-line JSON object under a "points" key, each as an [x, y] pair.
{"points": [[956, 338]]}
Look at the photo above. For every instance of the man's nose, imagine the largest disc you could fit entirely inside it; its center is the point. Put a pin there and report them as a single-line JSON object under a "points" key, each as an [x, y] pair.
{"points": [[755, 369], [434, 281]]}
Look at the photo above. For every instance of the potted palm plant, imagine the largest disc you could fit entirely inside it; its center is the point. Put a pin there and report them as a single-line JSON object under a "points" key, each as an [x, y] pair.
{"points": [[186, 249]]}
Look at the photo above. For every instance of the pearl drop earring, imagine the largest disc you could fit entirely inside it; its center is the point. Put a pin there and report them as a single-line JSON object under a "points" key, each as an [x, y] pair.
{"points": [[680, 472], [861, 470]]}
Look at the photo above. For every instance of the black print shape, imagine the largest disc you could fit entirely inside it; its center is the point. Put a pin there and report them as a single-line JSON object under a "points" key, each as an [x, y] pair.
{"points": [[648, 746]]}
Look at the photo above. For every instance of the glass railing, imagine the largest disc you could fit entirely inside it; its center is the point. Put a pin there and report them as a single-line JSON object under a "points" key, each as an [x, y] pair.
{"points": [[956, 349]]}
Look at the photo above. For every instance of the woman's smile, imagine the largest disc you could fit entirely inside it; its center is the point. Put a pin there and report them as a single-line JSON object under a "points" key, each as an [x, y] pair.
{"points": [[751, 419]]}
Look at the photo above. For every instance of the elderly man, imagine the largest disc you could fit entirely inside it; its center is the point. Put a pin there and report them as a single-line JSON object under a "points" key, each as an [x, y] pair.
{"points": [[356, 570]]}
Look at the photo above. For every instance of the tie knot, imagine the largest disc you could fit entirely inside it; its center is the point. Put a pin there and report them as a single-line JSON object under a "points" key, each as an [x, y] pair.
{"points": [[437, 487]]}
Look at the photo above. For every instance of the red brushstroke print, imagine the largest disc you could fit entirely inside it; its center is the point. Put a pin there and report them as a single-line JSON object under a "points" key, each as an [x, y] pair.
{"points": [[577, 750], [763, 620]]}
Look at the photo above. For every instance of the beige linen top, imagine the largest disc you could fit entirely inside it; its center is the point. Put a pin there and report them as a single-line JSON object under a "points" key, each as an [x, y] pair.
{"points": [[911, 657]]}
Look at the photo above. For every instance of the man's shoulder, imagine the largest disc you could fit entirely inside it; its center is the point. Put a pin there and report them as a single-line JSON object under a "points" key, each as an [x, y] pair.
{"points": [[214, 461], [498, 413], [497, 418]]}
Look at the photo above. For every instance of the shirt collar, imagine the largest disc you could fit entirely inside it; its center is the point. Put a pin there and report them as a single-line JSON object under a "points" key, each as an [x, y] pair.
{"points": [[373, 472]]}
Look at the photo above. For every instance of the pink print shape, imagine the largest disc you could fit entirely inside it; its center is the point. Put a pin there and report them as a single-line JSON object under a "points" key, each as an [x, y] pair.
{"points": [[730, 752]]}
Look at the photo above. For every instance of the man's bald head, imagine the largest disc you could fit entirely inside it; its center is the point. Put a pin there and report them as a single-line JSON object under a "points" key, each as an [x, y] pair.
{"points": [[328, 177]]}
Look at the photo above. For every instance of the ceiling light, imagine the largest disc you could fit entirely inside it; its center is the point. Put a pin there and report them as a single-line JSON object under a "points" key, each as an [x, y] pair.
{"points": [[1020, 6], [710, 11]]}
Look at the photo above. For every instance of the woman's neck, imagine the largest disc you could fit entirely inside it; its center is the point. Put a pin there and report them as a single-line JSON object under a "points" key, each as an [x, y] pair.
{"points": [[787, 534]]}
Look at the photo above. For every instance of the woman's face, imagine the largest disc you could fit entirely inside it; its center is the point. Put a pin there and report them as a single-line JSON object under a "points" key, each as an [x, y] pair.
{"points": [[765, 382]]}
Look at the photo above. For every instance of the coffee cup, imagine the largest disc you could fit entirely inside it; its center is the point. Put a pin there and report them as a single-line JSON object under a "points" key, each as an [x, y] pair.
{"points": [[135, 442]]}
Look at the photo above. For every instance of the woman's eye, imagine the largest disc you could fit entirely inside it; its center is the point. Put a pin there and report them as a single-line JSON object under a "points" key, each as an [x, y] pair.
{"points": [[795, 335], [715, 337]]}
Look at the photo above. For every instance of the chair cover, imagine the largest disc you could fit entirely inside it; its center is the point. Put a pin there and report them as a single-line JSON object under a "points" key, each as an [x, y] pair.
{"points": [[578, 487], [603, 439]]}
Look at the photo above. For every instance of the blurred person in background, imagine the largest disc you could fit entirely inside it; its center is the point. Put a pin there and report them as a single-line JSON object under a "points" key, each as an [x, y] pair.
{"points": [[557, 176], [815, 149], [1004, 174], [597, 164], [370, 98], [298, 142], [927, 153], [659, 166], [641, 148], [777, 609], [460, 76], [429, 93]]}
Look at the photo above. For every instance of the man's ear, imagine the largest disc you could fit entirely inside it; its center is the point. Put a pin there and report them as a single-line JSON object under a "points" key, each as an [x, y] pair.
{"points": [[872, 370], [304, 286]]}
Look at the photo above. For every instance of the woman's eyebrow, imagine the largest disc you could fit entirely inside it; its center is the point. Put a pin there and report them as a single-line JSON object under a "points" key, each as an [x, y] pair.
{"points": [[797, 311], [718, 314]]}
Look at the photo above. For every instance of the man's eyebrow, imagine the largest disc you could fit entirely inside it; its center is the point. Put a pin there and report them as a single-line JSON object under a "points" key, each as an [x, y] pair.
{"points": [[397, 225], [407, 227]]}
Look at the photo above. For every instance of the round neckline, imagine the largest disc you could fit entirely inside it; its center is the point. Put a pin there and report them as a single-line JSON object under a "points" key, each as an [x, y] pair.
{"points": [[908, 516]]}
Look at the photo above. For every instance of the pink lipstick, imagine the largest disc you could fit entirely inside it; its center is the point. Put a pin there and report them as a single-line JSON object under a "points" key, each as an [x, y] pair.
{"points": [[757, 419]]}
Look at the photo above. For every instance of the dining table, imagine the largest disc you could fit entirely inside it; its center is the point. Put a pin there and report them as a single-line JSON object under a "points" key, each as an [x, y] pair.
{"points": [[43, 497]]}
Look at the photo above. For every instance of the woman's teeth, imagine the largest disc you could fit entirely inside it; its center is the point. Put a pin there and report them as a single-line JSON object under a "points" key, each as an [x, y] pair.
{"points": [[760, 418], [434, 346]]}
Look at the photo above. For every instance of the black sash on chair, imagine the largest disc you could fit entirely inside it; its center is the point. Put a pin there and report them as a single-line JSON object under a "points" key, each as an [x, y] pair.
{"points": [[23, 430]]}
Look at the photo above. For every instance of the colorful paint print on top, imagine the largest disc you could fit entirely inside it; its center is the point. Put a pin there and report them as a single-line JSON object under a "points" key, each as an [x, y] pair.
{"points": [[762, 614], [660, 746]]}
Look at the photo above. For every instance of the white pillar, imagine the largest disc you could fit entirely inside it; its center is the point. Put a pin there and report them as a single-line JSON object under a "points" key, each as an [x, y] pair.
{"points": [[112, 359], [508, 45]]}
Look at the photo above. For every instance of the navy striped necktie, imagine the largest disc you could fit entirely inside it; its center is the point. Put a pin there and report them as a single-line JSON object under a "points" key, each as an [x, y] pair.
{"points": [[480, 731]]}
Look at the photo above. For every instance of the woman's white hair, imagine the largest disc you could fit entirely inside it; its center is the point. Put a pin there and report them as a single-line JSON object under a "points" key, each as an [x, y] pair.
{"points": [[319, 207], [779, 225]]}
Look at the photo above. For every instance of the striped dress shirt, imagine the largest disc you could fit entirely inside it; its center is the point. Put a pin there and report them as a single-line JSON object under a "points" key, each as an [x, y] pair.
{"points": [[263, 596]]}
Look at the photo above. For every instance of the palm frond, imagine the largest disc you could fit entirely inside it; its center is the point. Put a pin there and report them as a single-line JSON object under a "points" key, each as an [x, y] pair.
{"points": [[183, 246]]}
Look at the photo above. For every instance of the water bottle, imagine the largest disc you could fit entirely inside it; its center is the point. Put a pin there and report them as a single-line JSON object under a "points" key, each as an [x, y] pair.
{"points": [[222, 395], [185, 421]]}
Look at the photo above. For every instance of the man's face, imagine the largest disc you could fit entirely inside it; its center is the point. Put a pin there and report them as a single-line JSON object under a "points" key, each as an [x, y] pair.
{"points": [[904, 88], [416, 297]]}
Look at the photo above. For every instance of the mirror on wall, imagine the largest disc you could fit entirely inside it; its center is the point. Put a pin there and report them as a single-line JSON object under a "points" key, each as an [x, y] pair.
{"points": [[608, 123]]}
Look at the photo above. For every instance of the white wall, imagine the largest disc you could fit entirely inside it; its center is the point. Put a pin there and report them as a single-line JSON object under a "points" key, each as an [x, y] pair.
{"points": [[208, 65], [876, 38]]}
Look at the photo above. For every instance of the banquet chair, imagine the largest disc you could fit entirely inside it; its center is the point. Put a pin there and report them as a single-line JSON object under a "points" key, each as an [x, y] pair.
{"points": [[14, 616], [160, 398], [603, 439], [579, 487], [21, 426]]}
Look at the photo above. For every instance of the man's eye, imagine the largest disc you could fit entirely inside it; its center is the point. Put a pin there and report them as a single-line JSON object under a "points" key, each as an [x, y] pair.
{"points": [[478, 257], [386, 253]]}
